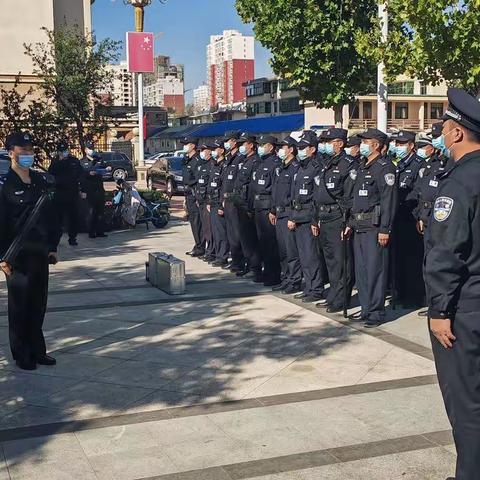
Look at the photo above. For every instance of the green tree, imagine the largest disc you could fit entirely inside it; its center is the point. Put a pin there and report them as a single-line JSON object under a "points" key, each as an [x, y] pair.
{"points": [[429, 40], [72, 66], [312, 45]]}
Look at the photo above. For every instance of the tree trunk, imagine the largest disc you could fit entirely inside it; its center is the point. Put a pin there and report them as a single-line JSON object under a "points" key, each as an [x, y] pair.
{"points": [[338, 111]]}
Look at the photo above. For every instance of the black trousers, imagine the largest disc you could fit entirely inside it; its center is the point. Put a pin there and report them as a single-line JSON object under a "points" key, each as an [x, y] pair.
{"points": [[333, 251], [408, 258], [248, 239], [233, 232], [207, 230], [27, 302], [97, 226], [458, 372], [195, 221], [286, 239], [67, 210], [309, 260], [267, 242], [219, 234], [371, 273]]}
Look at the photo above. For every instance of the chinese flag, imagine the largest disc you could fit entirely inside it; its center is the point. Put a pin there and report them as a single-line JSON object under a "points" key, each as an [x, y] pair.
{"points": [[140, 52]]}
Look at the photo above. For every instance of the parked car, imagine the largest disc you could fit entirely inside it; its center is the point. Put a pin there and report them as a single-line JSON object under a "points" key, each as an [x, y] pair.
{"points": [[166, 174], [121, 165]]}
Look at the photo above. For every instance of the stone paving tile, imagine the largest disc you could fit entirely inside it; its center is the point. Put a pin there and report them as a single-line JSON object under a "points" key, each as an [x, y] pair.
{"points": [[29, 415]]}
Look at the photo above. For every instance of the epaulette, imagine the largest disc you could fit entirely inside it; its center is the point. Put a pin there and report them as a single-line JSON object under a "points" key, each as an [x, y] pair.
{"points": [[418, 159], [349, 159], [382, 161]]}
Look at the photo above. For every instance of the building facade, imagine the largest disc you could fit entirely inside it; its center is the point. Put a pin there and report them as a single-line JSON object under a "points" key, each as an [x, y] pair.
{"points": [[230, 64], [201, 101], [122, 93], [164, 68], [167, 93]]}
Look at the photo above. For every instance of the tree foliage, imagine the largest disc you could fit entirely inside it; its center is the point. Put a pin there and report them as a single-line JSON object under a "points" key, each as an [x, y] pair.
{"points": [[312, 45], [429, 40]]}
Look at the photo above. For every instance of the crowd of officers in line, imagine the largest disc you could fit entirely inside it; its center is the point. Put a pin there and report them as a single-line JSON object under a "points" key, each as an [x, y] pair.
{"points": [[315, 210]]}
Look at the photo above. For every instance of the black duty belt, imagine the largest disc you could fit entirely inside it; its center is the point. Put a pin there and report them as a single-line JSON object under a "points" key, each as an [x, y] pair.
{"points": [[302, 206], [333, 207], [280, 209], [263, 197], [427, 204], [362, 216]]}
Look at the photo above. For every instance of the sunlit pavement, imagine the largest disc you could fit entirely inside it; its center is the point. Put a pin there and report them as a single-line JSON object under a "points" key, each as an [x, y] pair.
{"points": [[228, 381]]}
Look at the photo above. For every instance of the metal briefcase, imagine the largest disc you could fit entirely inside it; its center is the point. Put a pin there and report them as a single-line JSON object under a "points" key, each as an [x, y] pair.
{"points": [[166, 272]]}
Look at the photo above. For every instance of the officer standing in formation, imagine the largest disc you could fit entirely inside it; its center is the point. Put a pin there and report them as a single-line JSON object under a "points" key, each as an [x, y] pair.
{"points": [[69, 178], [27, 278], [452, 277], [189, 171]]}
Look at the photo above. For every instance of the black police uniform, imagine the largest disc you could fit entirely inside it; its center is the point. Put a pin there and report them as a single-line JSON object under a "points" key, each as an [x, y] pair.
{"points": [[93, 187], [69, 177], [281, 208], [203, 175], [214, 200], [303, 213], [332, 197], [28, 283], [372, 212], [452, 274], [233, 163], [244, 205], [189, 173], [407, 243], [263, 177]]}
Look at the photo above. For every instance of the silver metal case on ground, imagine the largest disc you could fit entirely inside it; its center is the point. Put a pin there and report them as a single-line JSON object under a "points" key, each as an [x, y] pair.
{"points": [[166, 272]]}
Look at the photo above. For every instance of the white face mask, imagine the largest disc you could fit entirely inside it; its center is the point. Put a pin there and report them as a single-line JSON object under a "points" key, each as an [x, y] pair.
{"points": [[348, 151]]}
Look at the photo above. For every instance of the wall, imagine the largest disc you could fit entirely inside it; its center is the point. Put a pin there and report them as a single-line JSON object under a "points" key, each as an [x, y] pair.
{"points": [[243, 71]]}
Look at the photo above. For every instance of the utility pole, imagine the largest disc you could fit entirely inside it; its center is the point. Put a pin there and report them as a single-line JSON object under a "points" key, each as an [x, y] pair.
{"points": [[382, 94]]}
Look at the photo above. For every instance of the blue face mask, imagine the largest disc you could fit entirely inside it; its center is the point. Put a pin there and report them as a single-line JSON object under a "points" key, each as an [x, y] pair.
{"points": [[365, 150], [329, 149], [227, 146], [392, 148], [401, 151], [302, 154], [348, 151], [186, 148], [242, 150], [203, 155], [261, 151], [215, 154], [282, 154], [25, 161], [321, 148], [439, 144], [422, 153]]}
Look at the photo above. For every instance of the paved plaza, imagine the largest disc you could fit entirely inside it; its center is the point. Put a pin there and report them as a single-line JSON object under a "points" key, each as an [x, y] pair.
{"points": [[228, 381]]}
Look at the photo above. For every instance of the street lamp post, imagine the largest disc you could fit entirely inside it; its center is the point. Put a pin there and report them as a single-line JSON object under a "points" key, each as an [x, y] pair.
{"points": [[382, 93]]}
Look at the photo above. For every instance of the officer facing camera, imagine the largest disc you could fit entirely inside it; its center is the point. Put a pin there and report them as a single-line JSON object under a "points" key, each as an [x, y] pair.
{"points": [[28, 243]]}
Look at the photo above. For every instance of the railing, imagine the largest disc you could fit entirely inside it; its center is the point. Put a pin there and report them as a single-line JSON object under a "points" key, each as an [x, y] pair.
{"points": [[406, 124]]}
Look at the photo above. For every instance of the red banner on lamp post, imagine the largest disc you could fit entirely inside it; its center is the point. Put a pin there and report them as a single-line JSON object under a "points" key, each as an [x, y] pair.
{"points": [[140, 52]]}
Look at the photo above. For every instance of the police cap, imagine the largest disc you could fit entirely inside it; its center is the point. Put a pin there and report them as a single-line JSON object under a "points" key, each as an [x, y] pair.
{"points": [[263, 139], [219, 143], [405, 136], [62, 145], [334, 134], [373, 133], [290, 141], [463, 109], [308, 139], [187, 140], [18, 139], [210, 144], [423, 140], [247, 137], [436, 129], [353, 140], [232, 135]]}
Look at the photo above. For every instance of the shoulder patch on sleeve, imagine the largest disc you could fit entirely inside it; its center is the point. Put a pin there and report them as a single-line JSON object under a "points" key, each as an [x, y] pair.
{"points": [[353, 174], [317, 180], [390, 179], [420, 172], [442, 208]]}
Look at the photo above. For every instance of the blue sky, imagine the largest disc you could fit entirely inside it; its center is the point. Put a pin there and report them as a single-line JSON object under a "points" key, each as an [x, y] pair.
{"points": [[186, 26]]}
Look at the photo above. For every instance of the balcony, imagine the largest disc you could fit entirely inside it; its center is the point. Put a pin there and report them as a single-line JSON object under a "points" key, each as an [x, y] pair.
{"points": [[398, 124]]}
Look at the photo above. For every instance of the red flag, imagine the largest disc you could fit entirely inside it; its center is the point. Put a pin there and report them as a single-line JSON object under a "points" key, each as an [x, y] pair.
{"points": [[140, 52], [145, 127]]}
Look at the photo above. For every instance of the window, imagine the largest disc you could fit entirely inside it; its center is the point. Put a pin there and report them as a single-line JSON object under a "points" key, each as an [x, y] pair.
{"points": [[401, 88], [255, 89], [436, 111], [353, 110], [268, 107], [401, 110], [423, 88], [389, 111], [267, 87], [275, 107], [367, 110], [290, 105], [285, 86]]}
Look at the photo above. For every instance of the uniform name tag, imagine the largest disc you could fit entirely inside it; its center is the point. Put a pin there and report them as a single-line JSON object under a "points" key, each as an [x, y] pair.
{"points": [[363, 193], [433, 183], [261, 182], [201, 180], [230, 177], [213, 184], [330, 185], [303, 192]]}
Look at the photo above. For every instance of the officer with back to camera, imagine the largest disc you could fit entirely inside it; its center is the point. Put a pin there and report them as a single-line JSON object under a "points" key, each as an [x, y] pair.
{"points": [[69, 176], [27, 277], [452, 276]]}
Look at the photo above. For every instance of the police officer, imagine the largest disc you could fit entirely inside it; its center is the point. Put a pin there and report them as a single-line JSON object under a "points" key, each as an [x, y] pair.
{"points": [[280, 213], [215, 204], [233, 163], [27, 278], [371, 220], [352, 148], [201, 195], [452, 274], [391, 154], [263, 177], [244, 204], [189, 172], [69, 175], [407, 244], [332, 197], [301, 217], [93, 186]]}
